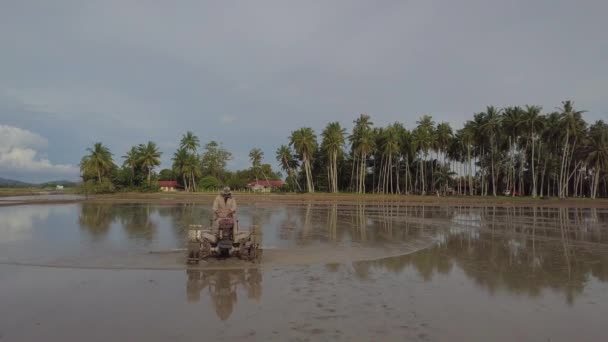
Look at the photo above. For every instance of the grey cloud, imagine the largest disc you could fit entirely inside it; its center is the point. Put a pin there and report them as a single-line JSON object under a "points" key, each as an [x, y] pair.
{"points": [[125, 73]]}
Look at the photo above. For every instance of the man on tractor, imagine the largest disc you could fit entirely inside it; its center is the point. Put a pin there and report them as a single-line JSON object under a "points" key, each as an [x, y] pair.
{"points": [[224, 206]]}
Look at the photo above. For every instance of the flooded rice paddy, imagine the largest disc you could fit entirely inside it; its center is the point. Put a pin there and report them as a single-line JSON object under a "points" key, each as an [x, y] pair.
{"points": [[101, 271]]}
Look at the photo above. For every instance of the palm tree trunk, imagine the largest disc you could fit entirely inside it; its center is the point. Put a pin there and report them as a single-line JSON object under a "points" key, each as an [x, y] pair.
{"points": [[512, 147], [352, 173], [423, 174], [407, 172], [469, 170], [397, 179], [493, 171], [415, 185], [390, 173], [336, 172], [307, 170], [384, 175], [563, 161], [385, 180], [363, 172], [329, 180], [569, 164], [542, 177], [295, 178], [332, 187], [596, 180], [312, 184], [532, 162], [362, 177]]}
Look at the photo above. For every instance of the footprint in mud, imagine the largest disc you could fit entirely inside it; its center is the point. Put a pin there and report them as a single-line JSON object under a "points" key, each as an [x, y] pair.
{"points": [[423, 336]]}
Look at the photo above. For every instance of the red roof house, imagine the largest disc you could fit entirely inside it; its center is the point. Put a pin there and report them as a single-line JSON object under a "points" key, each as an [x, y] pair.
{"points": [[167, 185], [265, 185]]}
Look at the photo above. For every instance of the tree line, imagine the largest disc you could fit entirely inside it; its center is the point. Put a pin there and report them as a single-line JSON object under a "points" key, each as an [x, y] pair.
{"points": [[512, 151], [192, 170]]}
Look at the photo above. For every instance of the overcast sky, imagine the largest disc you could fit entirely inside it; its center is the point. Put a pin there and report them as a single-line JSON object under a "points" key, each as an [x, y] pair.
{"points": [[246, 73]]}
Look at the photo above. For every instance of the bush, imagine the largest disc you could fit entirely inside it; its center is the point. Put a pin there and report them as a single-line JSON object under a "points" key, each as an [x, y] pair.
{"points": [[209, 183], [93, 187]]}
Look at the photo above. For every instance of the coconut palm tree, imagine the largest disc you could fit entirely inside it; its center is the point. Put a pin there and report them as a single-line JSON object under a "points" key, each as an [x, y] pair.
{"points": [[255, 156], [444, 137], [388, 144], [423, 138], [332, 145], [191, 143], [288, 163], [491, 127], [406, 154], [532, 123], [131, 158], [98, 161], [467, 139], [573, 124], [597, 153], [512, 126], [362, 145], [304, 141], [149, 157], [181, 161]]}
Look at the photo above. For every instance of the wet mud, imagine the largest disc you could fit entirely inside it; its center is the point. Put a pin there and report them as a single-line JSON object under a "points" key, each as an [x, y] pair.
{"points": [[329, 272]]}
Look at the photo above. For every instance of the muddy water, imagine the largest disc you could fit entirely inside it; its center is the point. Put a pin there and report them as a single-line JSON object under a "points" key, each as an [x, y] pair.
{"points": [[330, 272]]}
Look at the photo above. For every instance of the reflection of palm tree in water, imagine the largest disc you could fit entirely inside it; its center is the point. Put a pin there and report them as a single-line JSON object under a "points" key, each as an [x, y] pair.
{"points": [[512, 255], [361, 222], [96, 218], [222, 286], [137, 222], [307, 228], [387, 220], [332, 222]]}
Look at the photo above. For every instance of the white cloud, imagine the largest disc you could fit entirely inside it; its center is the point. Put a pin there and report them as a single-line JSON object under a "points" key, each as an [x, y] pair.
{"points": [[20, 154], [227, 119], [16, 137], [18, 222]]}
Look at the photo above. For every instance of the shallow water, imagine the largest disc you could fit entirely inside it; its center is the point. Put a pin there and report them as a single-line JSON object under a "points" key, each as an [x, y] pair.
{"points": [[21, 199], [330, 272]]}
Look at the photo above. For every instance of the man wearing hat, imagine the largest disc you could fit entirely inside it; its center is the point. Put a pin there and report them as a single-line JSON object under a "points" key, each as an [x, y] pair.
{"points": [[223, 206]]}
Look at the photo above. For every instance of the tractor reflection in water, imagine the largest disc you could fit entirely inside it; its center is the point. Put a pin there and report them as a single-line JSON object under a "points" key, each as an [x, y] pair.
{"points": [[222, 287]]}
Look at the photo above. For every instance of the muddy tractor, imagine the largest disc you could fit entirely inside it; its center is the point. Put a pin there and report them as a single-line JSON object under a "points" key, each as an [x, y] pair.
{"points": [[223, 240]]}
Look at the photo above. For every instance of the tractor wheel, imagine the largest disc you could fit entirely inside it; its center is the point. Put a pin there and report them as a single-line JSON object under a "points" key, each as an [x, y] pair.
{"points": [[205, 249], [193, 251], [224, 252], [248, 251], [244, 251]]}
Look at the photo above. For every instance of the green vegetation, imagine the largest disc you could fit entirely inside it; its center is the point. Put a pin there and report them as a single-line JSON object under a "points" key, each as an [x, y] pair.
{"points": [[513, 151], [193, 172]]}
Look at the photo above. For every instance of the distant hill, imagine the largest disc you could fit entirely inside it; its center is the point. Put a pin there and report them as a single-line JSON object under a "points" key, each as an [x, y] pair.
{"points": [[11, 183], [65, 183]]}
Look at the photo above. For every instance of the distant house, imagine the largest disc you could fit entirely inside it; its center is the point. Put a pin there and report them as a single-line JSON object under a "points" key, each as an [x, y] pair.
{"points": [[265, 185], [167, 185], [59, 187]]}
